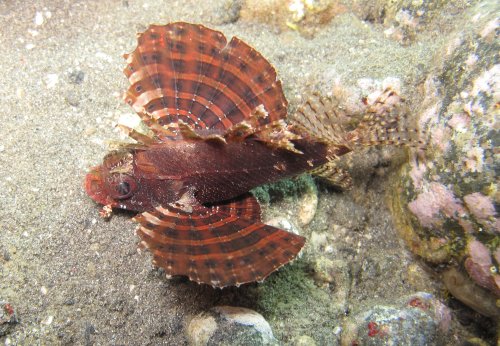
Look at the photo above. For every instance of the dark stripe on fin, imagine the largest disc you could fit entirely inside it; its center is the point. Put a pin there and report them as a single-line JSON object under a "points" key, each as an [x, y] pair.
{"points": [[187, 72], [222, 245]]}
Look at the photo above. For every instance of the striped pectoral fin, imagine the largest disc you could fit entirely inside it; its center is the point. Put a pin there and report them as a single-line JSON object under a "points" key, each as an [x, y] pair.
{"points": [[217, 245], [188, 72]]}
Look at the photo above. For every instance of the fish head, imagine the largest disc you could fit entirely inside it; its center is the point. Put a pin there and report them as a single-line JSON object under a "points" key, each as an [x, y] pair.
{"points": [[113, 183]]}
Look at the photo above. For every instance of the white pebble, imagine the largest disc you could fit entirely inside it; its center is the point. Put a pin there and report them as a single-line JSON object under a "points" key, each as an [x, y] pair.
{"points": [[48, 320], [38, 18], [51, 80]]}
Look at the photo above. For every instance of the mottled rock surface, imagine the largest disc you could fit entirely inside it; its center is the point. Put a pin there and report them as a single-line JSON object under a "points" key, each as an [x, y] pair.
{"points": [[418, 320], [447, 200]]}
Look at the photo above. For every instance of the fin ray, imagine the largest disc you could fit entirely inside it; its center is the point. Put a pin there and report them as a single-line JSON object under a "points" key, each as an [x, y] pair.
{"points": [[219, 245], [187, 72]]}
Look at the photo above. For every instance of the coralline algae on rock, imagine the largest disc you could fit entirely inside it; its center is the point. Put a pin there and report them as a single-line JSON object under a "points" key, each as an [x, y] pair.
{"points": [[447, 203], [419, 319]]}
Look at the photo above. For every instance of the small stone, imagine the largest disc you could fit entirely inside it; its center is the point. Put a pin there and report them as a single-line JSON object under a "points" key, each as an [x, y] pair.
{"points": [[38, 18], [88, 332], [89, 131], [304, 340], [48, 321], [307, 207], [283, 223], [229, 325], [51, 80], [6, 255], [70, 301], [8, 318], [200, 329], [72, 99], [76, 77], [20, 93], [323, 271]]}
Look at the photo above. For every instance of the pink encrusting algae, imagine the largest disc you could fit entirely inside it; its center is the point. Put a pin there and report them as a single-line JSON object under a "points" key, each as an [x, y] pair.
{"points": [[483, 210], [428, 205]]}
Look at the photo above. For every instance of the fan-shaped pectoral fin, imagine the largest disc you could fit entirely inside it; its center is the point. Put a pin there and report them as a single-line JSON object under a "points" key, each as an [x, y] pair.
{"points": [[222, 245]]}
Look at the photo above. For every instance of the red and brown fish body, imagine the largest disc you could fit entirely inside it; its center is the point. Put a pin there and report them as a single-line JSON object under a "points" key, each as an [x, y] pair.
{"points": [[213, 127], [220, 171]]}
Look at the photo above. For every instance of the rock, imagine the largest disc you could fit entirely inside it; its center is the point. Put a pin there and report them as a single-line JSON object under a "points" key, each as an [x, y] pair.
{"points": [[8, 318], [301, 15], [465, 290], [221, 12], [201, 328], [284, 223], [76, 77], [415, 320], [304, 340], [405, 19], [447, 205], [228, 325], [308, 203]]}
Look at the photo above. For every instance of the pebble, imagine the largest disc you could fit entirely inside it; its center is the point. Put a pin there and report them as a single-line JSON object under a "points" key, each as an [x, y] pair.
{"points": [[76, 77], [283, 223], [8, 318], [230, 325], [304, 340], [39, 18], [51, 80], [200, 329], [307, 207]]}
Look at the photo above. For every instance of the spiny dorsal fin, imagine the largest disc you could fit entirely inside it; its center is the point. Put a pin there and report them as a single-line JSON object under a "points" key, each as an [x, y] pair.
{"points": [[319, 118], [383, 124]]}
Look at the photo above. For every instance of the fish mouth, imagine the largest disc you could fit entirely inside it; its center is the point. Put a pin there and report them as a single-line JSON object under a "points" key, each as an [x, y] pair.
{"points": [[94, 186]]}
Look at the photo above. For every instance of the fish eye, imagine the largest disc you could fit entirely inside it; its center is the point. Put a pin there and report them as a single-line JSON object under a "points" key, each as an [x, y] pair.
{"points": [[121, 186], [123, 189]]}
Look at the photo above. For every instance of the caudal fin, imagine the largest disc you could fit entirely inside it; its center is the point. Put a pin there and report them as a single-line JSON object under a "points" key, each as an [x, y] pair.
{"points": [[383, 124]]}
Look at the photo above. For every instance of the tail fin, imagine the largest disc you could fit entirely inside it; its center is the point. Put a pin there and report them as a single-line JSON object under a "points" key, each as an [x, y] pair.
{"points": [[383, 124]]}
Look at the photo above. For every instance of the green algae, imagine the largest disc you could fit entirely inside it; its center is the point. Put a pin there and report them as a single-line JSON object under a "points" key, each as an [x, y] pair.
{"points": [[284, 188], [292, 295]]}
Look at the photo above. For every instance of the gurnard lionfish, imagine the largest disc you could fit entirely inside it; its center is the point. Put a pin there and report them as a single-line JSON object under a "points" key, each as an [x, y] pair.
{"points": [[214, 127]]}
